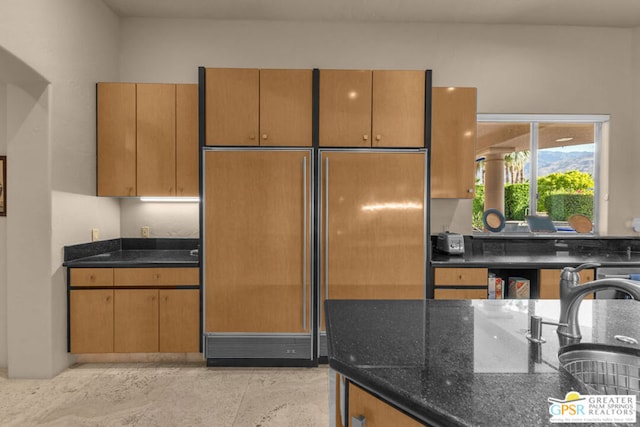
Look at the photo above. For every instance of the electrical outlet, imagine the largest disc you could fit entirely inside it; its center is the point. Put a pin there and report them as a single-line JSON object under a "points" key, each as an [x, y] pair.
{"points": [[636, 224], [95, 234], [145, 231]]}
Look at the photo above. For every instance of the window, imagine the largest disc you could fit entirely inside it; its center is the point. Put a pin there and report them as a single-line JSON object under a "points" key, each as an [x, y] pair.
{"points": [[545, 166]]}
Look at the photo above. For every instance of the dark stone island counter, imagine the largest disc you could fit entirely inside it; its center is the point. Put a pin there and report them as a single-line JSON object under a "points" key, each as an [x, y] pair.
{"points": [[464, 363]]}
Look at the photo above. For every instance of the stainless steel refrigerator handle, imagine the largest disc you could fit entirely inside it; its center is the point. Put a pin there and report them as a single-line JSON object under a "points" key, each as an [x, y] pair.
{"points": [[304, 243], [326, 229]]}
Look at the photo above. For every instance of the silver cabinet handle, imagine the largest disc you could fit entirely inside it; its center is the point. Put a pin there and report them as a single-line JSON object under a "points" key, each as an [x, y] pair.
{"points": [[304, 243], [326, 229], [359, 421]]}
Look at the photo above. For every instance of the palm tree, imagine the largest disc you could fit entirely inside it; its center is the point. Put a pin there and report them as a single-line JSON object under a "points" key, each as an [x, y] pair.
{"points": [[514, 166]]}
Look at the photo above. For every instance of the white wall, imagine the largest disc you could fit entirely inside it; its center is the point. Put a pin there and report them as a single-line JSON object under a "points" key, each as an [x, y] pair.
{"points": [[517, 69], [163, 219], [73, 44]]}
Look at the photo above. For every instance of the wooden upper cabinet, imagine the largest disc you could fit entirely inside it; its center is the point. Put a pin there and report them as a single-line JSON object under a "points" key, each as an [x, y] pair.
{"points": [[116, 150], [156, 139], [285, 108], [398, 108], [453, 142], [147, 139], [232, 104], [187, 140], [345, 108], [380, 108]]}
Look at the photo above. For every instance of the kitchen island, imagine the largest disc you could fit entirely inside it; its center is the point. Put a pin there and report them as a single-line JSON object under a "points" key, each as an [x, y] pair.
{"points": [[462, 363]]}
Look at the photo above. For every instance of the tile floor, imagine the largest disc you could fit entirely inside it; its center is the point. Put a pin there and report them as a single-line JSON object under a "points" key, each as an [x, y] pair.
{"points": [[164, 394]]}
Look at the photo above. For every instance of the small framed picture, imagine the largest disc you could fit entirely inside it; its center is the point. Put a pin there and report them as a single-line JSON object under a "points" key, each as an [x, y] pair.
{"points": [[3, 185]]}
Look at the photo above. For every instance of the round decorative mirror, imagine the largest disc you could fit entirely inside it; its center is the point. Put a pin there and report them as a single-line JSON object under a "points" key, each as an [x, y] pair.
{"points": [[493, 220]]}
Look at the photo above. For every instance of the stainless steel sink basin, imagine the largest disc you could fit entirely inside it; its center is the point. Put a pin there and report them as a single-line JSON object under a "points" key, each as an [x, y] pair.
{"points": [[603, 369]]}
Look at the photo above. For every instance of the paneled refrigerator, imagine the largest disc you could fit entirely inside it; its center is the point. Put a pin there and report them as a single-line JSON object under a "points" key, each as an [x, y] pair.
{"points": [[258, 205], [372, 235]]}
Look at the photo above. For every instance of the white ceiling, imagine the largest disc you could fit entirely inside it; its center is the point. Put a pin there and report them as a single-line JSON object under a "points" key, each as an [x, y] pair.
{"points": [[603, 13]]}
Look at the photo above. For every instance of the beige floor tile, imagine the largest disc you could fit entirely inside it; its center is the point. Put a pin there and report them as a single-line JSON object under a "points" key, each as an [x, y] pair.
{"points": [[285, 397], [166, 394]]}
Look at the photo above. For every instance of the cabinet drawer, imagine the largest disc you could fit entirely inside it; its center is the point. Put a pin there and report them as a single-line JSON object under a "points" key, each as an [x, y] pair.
{"points": [[156, 276], [460, 294], [91, 277], [460, 276]]}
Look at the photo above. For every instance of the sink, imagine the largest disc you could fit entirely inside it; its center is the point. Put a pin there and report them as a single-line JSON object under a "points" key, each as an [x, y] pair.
{"points": [[603, 369]]}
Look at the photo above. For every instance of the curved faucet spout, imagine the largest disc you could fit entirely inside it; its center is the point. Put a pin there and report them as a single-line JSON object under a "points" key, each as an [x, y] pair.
{"points": [[572, 294]]}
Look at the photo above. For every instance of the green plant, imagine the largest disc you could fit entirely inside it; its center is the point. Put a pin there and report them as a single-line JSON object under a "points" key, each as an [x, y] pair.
{"points": [[478, 207], [561, 206], [516, 201]]}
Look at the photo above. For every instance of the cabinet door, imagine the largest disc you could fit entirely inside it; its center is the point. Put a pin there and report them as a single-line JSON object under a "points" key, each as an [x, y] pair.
{"points": [[453, 142], [376, 412], [469, 293], [232, 106], [136, 321], [285, 108], [398, 108], [187, 140], [345, 108], [179, 320], [156, 139], [91, 321], [116, 131], [372, 231], [257, 240], [550, 282]]}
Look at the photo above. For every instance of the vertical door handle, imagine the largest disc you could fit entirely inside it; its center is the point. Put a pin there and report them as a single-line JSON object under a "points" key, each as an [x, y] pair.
{"points": [[326, 229], [304, 243]]}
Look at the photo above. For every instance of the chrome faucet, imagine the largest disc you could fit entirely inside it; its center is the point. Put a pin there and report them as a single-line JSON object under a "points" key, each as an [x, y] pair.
{"points": [[572, 293]]}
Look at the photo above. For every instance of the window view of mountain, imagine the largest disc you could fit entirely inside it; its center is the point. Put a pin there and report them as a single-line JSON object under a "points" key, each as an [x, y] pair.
{"points": [[558, 161]]}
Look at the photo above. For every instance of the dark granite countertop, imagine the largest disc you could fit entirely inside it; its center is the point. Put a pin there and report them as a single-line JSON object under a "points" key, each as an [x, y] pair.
{"points": [[138, 258], [558, 259], [163, 252], [547, 252], [464, 363]]}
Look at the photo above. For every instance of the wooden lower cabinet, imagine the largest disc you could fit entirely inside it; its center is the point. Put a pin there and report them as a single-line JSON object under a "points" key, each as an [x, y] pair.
{"points": [[179, 320], [550, 282], [91, 321], [445, 278], [376, 412], [140, 320], [136, 321]]}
